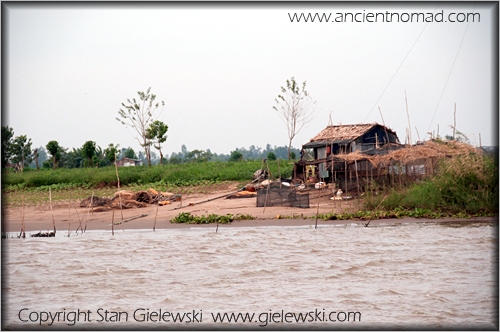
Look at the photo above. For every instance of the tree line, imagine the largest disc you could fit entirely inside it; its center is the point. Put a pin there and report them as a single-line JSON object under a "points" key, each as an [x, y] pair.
{"points": [[18, 152]]}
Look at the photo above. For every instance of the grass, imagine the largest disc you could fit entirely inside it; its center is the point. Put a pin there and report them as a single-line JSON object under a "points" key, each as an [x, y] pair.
{"points": [[168, 175], [188, 218], [80, 183], [465, 184]]}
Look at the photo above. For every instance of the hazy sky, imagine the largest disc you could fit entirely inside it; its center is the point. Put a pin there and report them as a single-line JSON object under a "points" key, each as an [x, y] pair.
{"points": [[219, 69]]}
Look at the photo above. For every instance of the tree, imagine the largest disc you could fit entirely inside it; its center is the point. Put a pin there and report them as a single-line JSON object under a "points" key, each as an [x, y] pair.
{"points": [[53, 148], [271, 156], [130, 153], [7, 134], [236, 156], [139, 115], [156, 132], [295, 107], [89, 151], [111, 152], [21, 150]]}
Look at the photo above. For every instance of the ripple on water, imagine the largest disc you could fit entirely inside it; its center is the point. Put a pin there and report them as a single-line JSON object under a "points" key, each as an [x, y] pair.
{"points": [[439, 276]]}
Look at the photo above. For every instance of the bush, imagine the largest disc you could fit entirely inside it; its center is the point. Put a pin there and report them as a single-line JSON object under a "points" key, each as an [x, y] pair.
{"points": [[465, 183]]}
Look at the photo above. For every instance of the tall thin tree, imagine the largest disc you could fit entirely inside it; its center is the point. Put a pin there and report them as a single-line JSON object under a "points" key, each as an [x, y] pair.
{"points": [[295, 107], [139, 114]]}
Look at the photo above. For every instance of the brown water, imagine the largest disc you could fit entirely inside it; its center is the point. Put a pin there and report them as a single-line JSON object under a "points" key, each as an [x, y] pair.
{"points": [[406, 276]]}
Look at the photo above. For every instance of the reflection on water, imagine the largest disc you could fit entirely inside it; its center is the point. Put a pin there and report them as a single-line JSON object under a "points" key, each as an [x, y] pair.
{"points": [[416, 275]]}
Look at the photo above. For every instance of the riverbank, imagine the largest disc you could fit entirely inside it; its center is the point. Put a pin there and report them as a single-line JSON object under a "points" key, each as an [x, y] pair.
{"points": [[69, 216]]}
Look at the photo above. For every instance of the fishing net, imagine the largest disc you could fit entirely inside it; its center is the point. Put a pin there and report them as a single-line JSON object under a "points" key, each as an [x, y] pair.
{"points": [[284, 196]]}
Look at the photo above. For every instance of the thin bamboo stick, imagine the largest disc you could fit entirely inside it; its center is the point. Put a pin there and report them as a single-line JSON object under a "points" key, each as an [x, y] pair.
{"points": [[454, 120], [268, 185], [52, 211], [113, 223], [156, 214], [88, 212], [119, 191], [23, 230], [317, 210], [408, 115], [69, 214]]}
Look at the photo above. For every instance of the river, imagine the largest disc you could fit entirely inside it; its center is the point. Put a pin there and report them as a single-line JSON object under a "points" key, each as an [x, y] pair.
{"points": [[408, 276]]}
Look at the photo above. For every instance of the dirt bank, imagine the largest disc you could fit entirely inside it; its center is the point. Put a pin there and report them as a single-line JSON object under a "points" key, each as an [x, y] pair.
{"points": [[39, 218]]}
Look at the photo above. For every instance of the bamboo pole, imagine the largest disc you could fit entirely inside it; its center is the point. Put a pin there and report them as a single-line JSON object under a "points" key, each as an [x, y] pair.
{"points": [[454, 120], [317, 210], [385, 128], [268, 185], [156, 214], [52, 211], [129, 219], [79, 220], [69, 214], [119, 191], [113, 223], [408, 114], [88, 211], [279, 171], [23, 230]]}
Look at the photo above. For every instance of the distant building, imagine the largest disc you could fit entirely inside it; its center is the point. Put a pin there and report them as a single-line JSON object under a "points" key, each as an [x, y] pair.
{"points": [[128, 162]]}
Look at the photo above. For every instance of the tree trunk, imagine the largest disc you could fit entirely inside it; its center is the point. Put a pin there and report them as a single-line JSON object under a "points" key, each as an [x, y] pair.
{"points": [[161, 157], [289, 147], [54, 162]]}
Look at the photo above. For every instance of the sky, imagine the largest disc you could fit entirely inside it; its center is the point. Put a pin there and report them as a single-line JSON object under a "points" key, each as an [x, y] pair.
{"points": [[219, 68]]}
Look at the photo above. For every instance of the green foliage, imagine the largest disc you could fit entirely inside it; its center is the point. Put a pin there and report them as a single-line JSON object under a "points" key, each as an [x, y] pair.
{"points": [[271, 156], [236, 156], [188, 218], [139, 115], [21, 150], [7, 134], [89, 151], [53, 148], [464, 184], [399, 212], [292, 155], [130, 153], [111, 152], [191, 174]]}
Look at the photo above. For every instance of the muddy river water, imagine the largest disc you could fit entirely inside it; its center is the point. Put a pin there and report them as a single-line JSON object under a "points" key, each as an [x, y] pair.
{"points": [[417, 275]]}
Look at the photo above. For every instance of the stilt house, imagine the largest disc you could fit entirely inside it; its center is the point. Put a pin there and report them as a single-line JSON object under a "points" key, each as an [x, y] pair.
{"points": [[336, 140]]}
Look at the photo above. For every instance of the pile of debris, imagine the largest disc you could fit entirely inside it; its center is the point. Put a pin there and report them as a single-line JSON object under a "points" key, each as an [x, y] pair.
{"points": [[127, 199]]}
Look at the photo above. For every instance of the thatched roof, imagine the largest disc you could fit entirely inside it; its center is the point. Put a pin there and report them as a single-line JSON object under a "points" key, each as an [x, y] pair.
{"points": [[342, 133], [429, 149]]}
